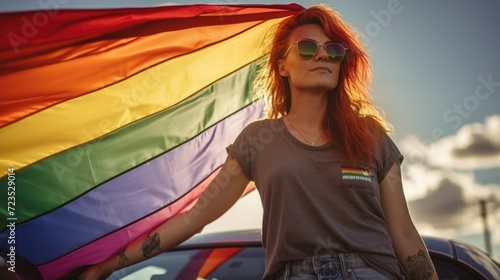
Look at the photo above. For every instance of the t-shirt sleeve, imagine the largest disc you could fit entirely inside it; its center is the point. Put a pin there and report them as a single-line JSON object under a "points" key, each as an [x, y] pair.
{"points": [[243, 151], [388, 155]]}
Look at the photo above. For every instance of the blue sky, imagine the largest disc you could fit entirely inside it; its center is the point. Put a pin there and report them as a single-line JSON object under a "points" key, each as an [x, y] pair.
{"points": [[437, 77]]}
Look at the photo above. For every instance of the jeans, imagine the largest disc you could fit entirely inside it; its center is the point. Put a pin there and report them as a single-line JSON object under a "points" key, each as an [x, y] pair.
{"points": [[337, 266]]}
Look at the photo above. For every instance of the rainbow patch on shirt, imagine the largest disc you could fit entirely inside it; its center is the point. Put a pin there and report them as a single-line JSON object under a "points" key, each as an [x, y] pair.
{"points": [[351, 173]]}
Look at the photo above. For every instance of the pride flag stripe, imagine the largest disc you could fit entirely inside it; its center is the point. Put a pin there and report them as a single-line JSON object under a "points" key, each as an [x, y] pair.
{"points": [[351, 173], [74, 27], [165, 178], [102, 248], [108, 245], [75, 171], [52, 80], [125, 102]]}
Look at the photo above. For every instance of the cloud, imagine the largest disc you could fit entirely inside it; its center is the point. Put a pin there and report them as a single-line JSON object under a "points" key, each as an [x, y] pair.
{"points": [[445, 203], [441, 207], [474, 146], [477, 146]]}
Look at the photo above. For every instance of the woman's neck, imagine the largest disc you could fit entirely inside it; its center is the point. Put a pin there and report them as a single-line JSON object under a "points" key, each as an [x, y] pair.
{"points": [[308, 110]]}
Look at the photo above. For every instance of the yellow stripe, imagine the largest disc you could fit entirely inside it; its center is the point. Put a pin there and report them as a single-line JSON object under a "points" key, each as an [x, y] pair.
{"points": [[90, 116]]}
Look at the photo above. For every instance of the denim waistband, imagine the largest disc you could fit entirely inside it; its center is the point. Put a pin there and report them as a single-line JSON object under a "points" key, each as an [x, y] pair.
{"points": [[330, 267]]}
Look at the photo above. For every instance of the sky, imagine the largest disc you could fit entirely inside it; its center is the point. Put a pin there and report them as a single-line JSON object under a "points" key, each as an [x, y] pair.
{"points": [[437, 77]]}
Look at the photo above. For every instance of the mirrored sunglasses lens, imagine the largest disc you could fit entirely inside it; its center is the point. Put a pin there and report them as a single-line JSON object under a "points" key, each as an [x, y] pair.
{"points": [[335, 52], [307, 49]]}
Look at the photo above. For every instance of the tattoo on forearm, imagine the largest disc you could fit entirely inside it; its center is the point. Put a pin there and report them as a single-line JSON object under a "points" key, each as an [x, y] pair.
{"points": [[420, 266], [150, 244], [123, 259]]}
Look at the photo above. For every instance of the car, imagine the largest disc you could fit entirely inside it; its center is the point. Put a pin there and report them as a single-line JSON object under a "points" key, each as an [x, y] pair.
{"points": [[238, 255]]}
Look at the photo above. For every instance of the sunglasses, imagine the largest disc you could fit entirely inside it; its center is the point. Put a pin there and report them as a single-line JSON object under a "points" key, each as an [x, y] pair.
{"points": [[307, 49]]}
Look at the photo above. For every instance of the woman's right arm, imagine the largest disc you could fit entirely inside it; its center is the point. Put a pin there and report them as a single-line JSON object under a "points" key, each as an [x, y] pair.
{"points": [[227, 187]]}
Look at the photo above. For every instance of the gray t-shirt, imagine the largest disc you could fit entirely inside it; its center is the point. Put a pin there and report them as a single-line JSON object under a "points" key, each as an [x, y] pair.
{"points": [[315, 201]]}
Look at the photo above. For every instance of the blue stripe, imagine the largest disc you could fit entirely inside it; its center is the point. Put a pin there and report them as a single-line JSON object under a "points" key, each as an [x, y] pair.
{"points": [[129, 197]]}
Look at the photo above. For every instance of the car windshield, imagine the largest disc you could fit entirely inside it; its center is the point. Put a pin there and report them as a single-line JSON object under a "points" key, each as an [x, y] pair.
{"points": [[211, 264]]}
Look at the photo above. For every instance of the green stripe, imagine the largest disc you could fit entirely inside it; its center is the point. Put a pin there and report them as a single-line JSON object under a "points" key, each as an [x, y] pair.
{"points": [[344, 173], [55, 181]]}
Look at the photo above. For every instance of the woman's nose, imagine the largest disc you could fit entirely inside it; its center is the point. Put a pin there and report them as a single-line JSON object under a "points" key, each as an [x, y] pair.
{"points": [[321, 53]]}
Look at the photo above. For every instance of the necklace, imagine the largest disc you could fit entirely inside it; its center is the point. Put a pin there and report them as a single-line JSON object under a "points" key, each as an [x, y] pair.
{"points": [[308, 142]]}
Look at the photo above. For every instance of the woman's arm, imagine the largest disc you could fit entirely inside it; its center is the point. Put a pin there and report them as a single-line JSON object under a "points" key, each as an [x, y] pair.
{"points": [[220, 195], [410, 249]]}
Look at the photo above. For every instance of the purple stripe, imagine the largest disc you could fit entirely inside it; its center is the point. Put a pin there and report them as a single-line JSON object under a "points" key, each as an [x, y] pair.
{"points": [[131, 196]]}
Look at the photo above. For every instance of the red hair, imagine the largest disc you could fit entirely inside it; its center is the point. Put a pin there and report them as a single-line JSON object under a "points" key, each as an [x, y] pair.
{"points": [[351, 116]]}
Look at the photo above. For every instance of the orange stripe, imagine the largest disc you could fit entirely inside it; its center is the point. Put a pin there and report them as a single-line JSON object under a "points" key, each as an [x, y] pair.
{"points": [[351, 170], [354, 170], [113, 61]]}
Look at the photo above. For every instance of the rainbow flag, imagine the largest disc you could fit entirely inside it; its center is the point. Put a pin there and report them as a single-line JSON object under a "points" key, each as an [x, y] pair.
{"points": [[113, 121], [355, 173]]}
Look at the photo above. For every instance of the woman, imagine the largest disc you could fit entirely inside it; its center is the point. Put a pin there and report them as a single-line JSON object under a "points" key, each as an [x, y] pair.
{"points": [[328, 174]]}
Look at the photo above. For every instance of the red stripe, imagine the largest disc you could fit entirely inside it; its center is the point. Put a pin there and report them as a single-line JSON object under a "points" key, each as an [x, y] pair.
{"points": [[74, 52], [35, 30]]}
